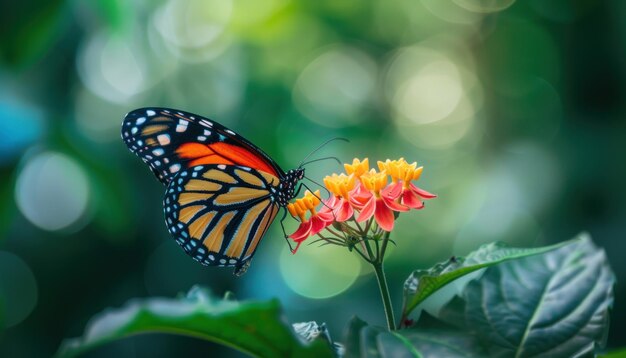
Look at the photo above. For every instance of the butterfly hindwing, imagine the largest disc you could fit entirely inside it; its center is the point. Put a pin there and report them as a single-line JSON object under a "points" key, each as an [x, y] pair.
{"points": [[219, 213], [171, 140]]}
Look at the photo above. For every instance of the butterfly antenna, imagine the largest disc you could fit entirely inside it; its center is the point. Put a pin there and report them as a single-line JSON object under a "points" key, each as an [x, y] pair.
{"points": [[320, 159], [320, 147], [322, 201], [316, 183]]}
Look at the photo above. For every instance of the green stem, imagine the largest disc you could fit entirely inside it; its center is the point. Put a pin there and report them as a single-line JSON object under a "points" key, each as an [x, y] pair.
{"points": [[384, 293], [384, 246]]}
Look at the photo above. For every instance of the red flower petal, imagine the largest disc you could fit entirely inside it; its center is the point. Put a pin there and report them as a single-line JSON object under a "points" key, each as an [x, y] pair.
{"points": [[296, 249], [317, 225], [302, 232], [391, 204], [421, 192], [330, 204], [392, 191], [359, 201], [326, 216], [344, 211], [384, 216], [411, 199], [368, 210]]}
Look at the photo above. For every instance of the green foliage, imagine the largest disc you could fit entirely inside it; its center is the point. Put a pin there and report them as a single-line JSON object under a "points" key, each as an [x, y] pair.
{"points": [[363, 340], [24, 42], [423, 283], [555, 304], [256, 328], [620, 353], [552, 301]]}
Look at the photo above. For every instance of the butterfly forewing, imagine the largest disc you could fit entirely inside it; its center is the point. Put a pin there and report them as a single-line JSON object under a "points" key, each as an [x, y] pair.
{"points": [[170, 140], [219, 213]]}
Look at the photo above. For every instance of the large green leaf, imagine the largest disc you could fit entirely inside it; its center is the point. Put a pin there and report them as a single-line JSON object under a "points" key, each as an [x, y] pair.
{"points": [[423, 283], [444, 341], [256, 328], [553, 305]]}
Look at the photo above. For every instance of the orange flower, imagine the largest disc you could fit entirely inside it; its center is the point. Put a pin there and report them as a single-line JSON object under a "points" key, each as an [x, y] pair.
{"points": [[403, 174], [314, 224], [340, 187], [357, 167], [377, 202]]}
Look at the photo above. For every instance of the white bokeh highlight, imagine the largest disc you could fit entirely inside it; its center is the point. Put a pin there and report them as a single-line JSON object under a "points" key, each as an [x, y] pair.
{"points": [[52, 191]]}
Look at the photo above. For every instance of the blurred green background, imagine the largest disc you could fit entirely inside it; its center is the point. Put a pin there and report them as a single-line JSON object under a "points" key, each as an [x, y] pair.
{"points": [[515, 108]]}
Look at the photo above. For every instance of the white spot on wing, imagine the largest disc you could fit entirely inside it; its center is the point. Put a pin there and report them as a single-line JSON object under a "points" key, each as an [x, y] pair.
{"points": [[181, 128], [158, 151], [150, 113], [164, 139], [206, 123], [229, 132], [140, 120], [221, 167], [174, 168], [201, 138]]}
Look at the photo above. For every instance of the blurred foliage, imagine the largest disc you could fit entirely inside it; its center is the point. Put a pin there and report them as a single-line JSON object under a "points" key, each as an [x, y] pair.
{"points": [[515, 109]]}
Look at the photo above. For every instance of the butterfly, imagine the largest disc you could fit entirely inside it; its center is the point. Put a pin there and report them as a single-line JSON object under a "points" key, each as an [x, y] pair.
{"points": [[222, 192]]}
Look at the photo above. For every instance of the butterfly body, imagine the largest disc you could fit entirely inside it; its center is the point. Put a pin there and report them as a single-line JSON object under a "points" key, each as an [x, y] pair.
{"points": [[222, 191]]}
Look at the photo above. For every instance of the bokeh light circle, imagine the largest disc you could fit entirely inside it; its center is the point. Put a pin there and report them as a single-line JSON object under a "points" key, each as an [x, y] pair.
{"points": [[449, 11], [336, 86], [431, 94], [52, 191], [433, 99], [18, 289], [484, 6], [193, 23], [319, 272], [118, 68]]}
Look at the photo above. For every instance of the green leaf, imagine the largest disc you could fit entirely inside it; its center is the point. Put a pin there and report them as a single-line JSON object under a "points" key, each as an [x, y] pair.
{"points": [[371, 341], [554, 305], [423, 283], [443, 343], [256, 328], [353, 338], [619, 353]]}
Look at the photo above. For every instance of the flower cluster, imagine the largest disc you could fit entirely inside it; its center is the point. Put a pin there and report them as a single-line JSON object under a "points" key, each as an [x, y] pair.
{"points": [[363, 202]]}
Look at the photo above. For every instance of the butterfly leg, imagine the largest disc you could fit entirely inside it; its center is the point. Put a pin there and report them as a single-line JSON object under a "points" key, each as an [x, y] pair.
{"points": [[284, 231]]}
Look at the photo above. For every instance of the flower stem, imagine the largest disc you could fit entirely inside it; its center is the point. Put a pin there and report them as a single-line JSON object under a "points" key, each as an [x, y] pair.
{"points": [[384, 293]]}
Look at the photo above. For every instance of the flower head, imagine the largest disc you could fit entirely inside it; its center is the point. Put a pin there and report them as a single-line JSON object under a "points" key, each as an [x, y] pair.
{"points": [[316, 221], [358, 167], [377, 202], [361, 195], [403, 175], [340, 187]]}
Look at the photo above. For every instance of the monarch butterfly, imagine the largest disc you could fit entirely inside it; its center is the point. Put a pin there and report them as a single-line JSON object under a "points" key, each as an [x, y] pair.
{"points": [[222, 192]]}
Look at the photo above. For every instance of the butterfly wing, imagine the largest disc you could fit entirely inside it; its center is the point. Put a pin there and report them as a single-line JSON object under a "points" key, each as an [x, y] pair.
{"points": [[219, 213], [170, 140]]}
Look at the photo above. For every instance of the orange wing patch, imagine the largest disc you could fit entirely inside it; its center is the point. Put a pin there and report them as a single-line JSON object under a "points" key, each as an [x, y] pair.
{"points": [[239, 195], [261, 230], [214, 241], [223, 153]]}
